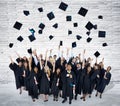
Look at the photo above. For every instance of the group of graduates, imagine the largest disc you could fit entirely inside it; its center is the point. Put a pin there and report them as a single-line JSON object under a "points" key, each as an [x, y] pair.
{"points": [[58, 76]]}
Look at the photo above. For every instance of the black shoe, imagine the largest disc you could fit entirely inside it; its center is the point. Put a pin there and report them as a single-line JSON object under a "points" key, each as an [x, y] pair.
{"points": [[53, 99], [89, 96], [96, 94], [45, 100], [64, 100], [81, 97], [100, 96], [75, 97], [56, 99], [70, 102], [33, 100]]}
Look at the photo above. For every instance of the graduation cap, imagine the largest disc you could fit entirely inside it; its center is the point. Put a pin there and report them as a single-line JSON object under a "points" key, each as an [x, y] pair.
{"points": [[50, 16], [95, 27], [20, 38], [26, 12], [17, 25], [97, 54], [74, 45], [31, 38], [68, 18], [61, 43], [82, 11], [63, 6], [51, 37], [69, 32], [42, 26], [40, 31], [40, 9], [89, 39], [75, 24], [89, 25], [29, 51], [88, 32], [102, 34], [11, 45], [78, 37], [32, 31], [55, 25], [100, 17], [104, 44]]}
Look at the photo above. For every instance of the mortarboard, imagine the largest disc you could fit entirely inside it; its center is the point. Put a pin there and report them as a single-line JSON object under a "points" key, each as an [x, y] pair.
{"points": [[50, 16], [32, 31], [68, 18], [51, 37], [42, 26], [102, 34], [31, 38], [100, 17], [40, 9], [29, 51], [89, 25], [40, 31], [89, 39], [97, 54], [95, 27], [26, 12], [78, 37], [88, 32], [74, 45], [69, 32], [17, 25], [20, 38], [82, 11], [63, 6], [11, 45], [104, 44], [75, 24], [55, 25]]}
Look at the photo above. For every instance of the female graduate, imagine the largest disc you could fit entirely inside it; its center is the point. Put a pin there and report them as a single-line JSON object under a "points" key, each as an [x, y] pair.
{"points": [[45, 80], [18, 72], [105, 81]]}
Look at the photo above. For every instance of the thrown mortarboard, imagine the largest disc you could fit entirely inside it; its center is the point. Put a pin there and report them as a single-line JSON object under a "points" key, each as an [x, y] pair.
{"points": [[75, 24], [78, 37], [40, 9], [63, 6], [69, 32], [17, 25], [74, 45], [89, 39], [31, 38], [40, 31], [55, 25], [11, 45], [29, 51], [104, 44], [88, 32], [26, 12], [50, 15], [97, 54], [61, 43], [82, 11], [20, 38], [100, 17], [102, 34], [68, 18], [42, 26], [95, 27], [51, 37], [32, 31], [89, 25]]}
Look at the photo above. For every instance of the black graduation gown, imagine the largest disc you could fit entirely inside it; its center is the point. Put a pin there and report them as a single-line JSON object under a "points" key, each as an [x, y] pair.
{"points": [[26, 80], [86, 84], [55, 87], [18, 72], [68, 83], [45, 83], [104, 82], [33, 88]]}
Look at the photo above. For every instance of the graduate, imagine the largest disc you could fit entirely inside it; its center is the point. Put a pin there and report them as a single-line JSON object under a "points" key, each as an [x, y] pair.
{"points": [[69, 82], [18, 72], [105, 81]]}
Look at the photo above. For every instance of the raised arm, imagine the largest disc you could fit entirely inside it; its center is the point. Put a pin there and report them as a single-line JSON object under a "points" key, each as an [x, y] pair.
{"points": [[30, 63], [83, 61], [18, 55], [11, 60], [46, 58]]}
